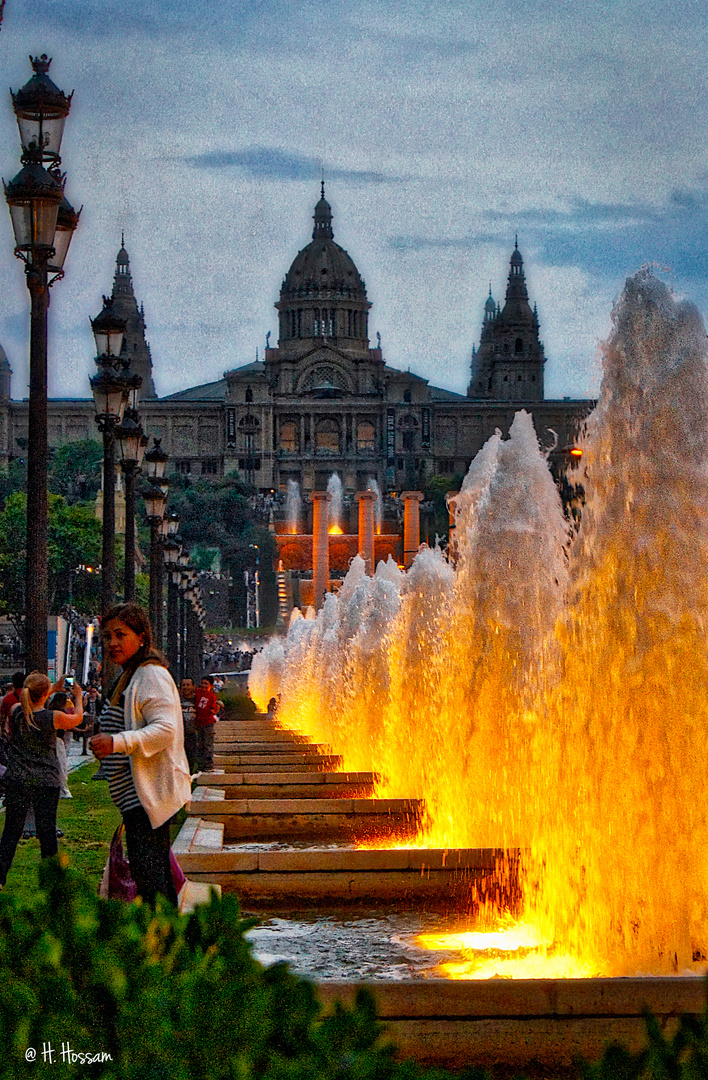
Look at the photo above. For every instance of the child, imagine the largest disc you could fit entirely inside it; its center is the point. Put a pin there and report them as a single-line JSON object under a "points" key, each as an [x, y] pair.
{"points": [[206, 709]]}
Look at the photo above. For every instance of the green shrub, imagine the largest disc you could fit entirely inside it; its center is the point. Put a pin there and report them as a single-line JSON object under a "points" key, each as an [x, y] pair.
{"points": [[681, 1056], [168, 997], [237, 706]]}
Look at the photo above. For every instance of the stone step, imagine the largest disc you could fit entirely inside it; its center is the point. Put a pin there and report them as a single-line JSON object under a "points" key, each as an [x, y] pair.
{"points": [[331, 819], [277, 762], [517, 1023], [237, 726], [262, 748], [193, 893], [275, 736], [304, 785], [199, 835], [343, 876]]}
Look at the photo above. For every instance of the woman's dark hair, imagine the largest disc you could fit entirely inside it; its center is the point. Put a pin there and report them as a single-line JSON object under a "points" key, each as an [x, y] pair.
{"points": [[138, 620], [58, 701]]}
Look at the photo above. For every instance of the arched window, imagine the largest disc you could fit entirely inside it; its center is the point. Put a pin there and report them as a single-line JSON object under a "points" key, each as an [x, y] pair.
{"points": [[407, 394], [289, 441], [249, 394], [249, 431], [519, 345], [327, 436], [365, 437]]}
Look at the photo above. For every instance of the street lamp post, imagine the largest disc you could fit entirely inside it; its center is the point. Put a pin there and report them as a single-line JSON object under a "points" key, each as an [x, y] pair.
{"points": [[131, 441], [182, 563], [155, 498], [172, 550], [110, 389], [43, 223]]}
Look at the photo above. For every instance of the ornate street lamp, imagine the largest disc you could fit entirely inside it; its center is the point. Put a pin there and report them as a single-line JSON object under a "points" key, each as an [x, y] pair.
{"points": [[155, 498], [110, 388], [43, 223], [131, 442], [155, 461], [171, 551]]}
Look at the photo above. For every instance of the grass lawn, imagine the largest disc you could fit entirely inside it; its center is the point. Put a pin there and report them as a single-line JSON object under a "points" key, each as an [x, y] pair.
{"points": [[88, 820]]}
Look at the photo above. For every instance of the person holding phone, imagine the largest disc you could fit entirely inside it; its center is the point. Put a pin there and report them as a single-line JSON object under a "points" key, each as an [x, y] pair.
{"points": [[141, 746], [33, 778]]}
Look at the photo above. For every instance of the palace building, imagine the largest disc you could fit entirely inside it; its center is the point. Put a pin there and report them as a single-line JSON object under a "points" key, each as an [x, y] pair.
{"points": [[323, 400]]}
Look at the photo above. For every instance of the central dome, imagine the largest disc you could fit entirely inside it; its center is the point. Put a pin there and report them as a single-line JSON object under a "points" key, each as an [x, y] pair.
{"points": [[323, 268], [323, 295]]}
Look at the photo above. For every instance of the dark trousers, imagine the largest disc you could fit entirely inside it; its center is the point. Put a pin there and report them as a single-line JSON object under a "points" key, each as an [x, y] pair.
{"points": [[149, 856], [18, 800], [190, 747], [205, 747]]}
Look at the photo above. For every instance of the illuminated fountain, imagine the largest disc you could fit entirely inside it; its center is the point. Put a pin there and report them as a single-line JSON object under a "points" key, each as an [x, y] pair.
{"points": [[336, 507], [550, 693], [293, 507], [373, 485]]}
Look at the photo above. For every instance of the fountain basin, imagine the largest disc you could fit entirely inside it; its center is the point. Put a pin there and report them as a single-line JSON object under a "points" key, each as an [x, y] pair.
{"points": [[335, 876], [330, 819], [286, 785], [521, 1023]]}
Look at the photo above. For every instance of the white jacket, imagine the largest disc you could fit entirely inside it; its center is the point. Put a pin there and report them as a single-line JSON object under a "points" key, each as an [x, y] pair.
{"points": [[154, 739]]}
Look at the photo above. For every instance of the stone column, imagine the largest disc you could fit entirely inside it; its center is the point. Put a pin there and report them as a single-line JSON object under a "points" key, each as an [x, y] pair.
{"points": [[451, 499], [366, 500], [320, 544], [411, 525]]}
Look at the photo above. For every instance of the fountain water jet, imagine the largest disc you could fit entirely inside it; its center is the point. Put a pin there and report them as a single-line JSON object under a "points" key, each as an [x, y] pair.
{"points": [[549, 694], [334, 487], [293, 507], [372, 484]]}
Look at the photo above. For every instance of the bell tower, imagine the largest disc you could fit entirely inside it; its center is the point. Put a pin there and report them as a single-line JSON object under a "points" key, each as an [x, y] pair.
{"points": [[125, 306], [508, 366]]}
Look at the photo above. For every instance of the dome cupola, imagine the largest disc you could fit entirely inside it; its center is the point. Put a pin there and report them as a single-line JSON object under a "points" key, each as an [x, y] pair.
{"points": [[323, 294], [323, 219]]}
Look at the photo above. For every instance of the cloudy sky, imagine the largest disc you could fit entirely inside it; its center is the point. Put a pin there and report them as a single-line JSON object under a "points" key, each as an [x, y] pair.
{"points": [[444, 128]]}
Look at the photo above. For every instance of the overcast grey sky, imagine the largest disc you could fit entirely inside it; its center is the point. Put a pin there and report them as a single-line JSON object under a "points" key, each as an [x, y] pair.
{"points": [[444, 128]]}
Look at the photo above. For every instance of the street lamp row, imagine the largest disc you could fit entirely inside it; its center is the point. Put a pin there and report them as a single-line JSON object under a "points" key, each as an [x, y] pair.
{"points": [[43, 222]]}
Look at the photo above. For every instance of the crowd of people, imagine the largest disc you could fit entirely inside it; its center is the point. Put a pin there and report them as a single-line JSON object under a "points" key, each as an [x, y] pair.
{"points": [[222, 653], [150, 739]]}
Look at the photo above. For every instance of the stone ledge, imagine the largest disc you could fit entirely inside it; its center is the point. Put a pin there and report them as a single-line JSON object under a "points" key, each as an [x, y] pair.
{"points": [[210, 801], [530, 998]]}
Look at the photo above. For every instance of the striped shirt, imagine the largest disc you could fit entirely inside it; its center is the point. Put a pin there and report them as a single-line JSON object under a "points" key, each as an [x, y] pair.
{"points": [[116, 767]]}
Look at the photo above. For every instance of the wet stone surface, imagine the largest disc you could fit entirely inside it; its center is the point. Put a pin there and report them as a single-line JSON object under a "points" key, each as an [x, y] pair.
{"points": [[337, 945]]}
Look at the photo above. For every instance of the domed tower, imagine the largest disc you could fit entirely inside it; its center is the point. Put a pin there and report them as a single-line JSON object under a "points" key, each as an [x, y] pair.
{"points": [[125, 306], [323, 295], [509, 363]]}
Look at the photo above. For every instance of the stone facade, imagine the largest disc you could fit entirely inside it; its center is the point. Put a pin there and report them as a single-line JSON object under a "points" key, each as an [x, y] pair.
{"points": [[322, 400]]}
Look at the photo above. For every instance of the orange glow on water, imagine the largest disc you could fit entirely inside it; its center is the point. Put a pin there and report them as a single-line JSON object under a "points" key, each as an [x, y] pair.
{"points": [[511, 951]]}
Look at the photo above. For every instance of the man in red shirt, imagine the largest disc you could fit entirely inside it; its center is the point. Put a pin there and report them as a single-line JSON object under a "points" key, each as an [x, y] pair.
{"points": [[206, 708], [10, 700]]}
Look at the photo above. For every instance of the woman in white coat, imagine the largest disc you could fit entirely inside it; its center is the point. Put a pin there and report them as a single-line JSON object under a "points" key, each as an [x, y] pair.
{"points": [[141, 745]]}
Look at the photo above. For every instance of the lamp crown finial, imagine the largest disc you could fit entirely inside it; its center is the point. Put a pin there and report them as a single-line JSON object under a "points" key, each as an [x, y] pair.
{"points": [[40, 64]]}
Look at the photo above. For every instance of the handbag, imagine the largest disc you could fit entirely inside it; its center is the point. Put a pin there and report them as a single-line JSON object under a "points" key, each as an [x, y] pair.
{"points": [[117, 881]]}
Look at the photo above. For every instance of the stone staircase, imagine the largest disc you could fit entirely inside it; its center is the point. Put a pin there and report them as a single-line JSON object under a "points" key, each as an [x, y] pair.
{"points": [[277, 822]]}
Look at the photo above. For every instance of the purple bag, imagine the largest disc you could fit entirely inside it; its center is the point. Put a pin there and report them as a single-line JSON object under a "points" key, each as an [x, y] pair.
{"points": [[120, 884], [117, 882]]}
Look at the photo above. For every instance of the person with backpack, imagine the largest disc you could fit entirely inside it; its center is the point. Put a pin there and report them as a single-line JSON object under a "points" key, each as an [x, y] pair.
{"points": [[33, 777], [141, 746]]}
